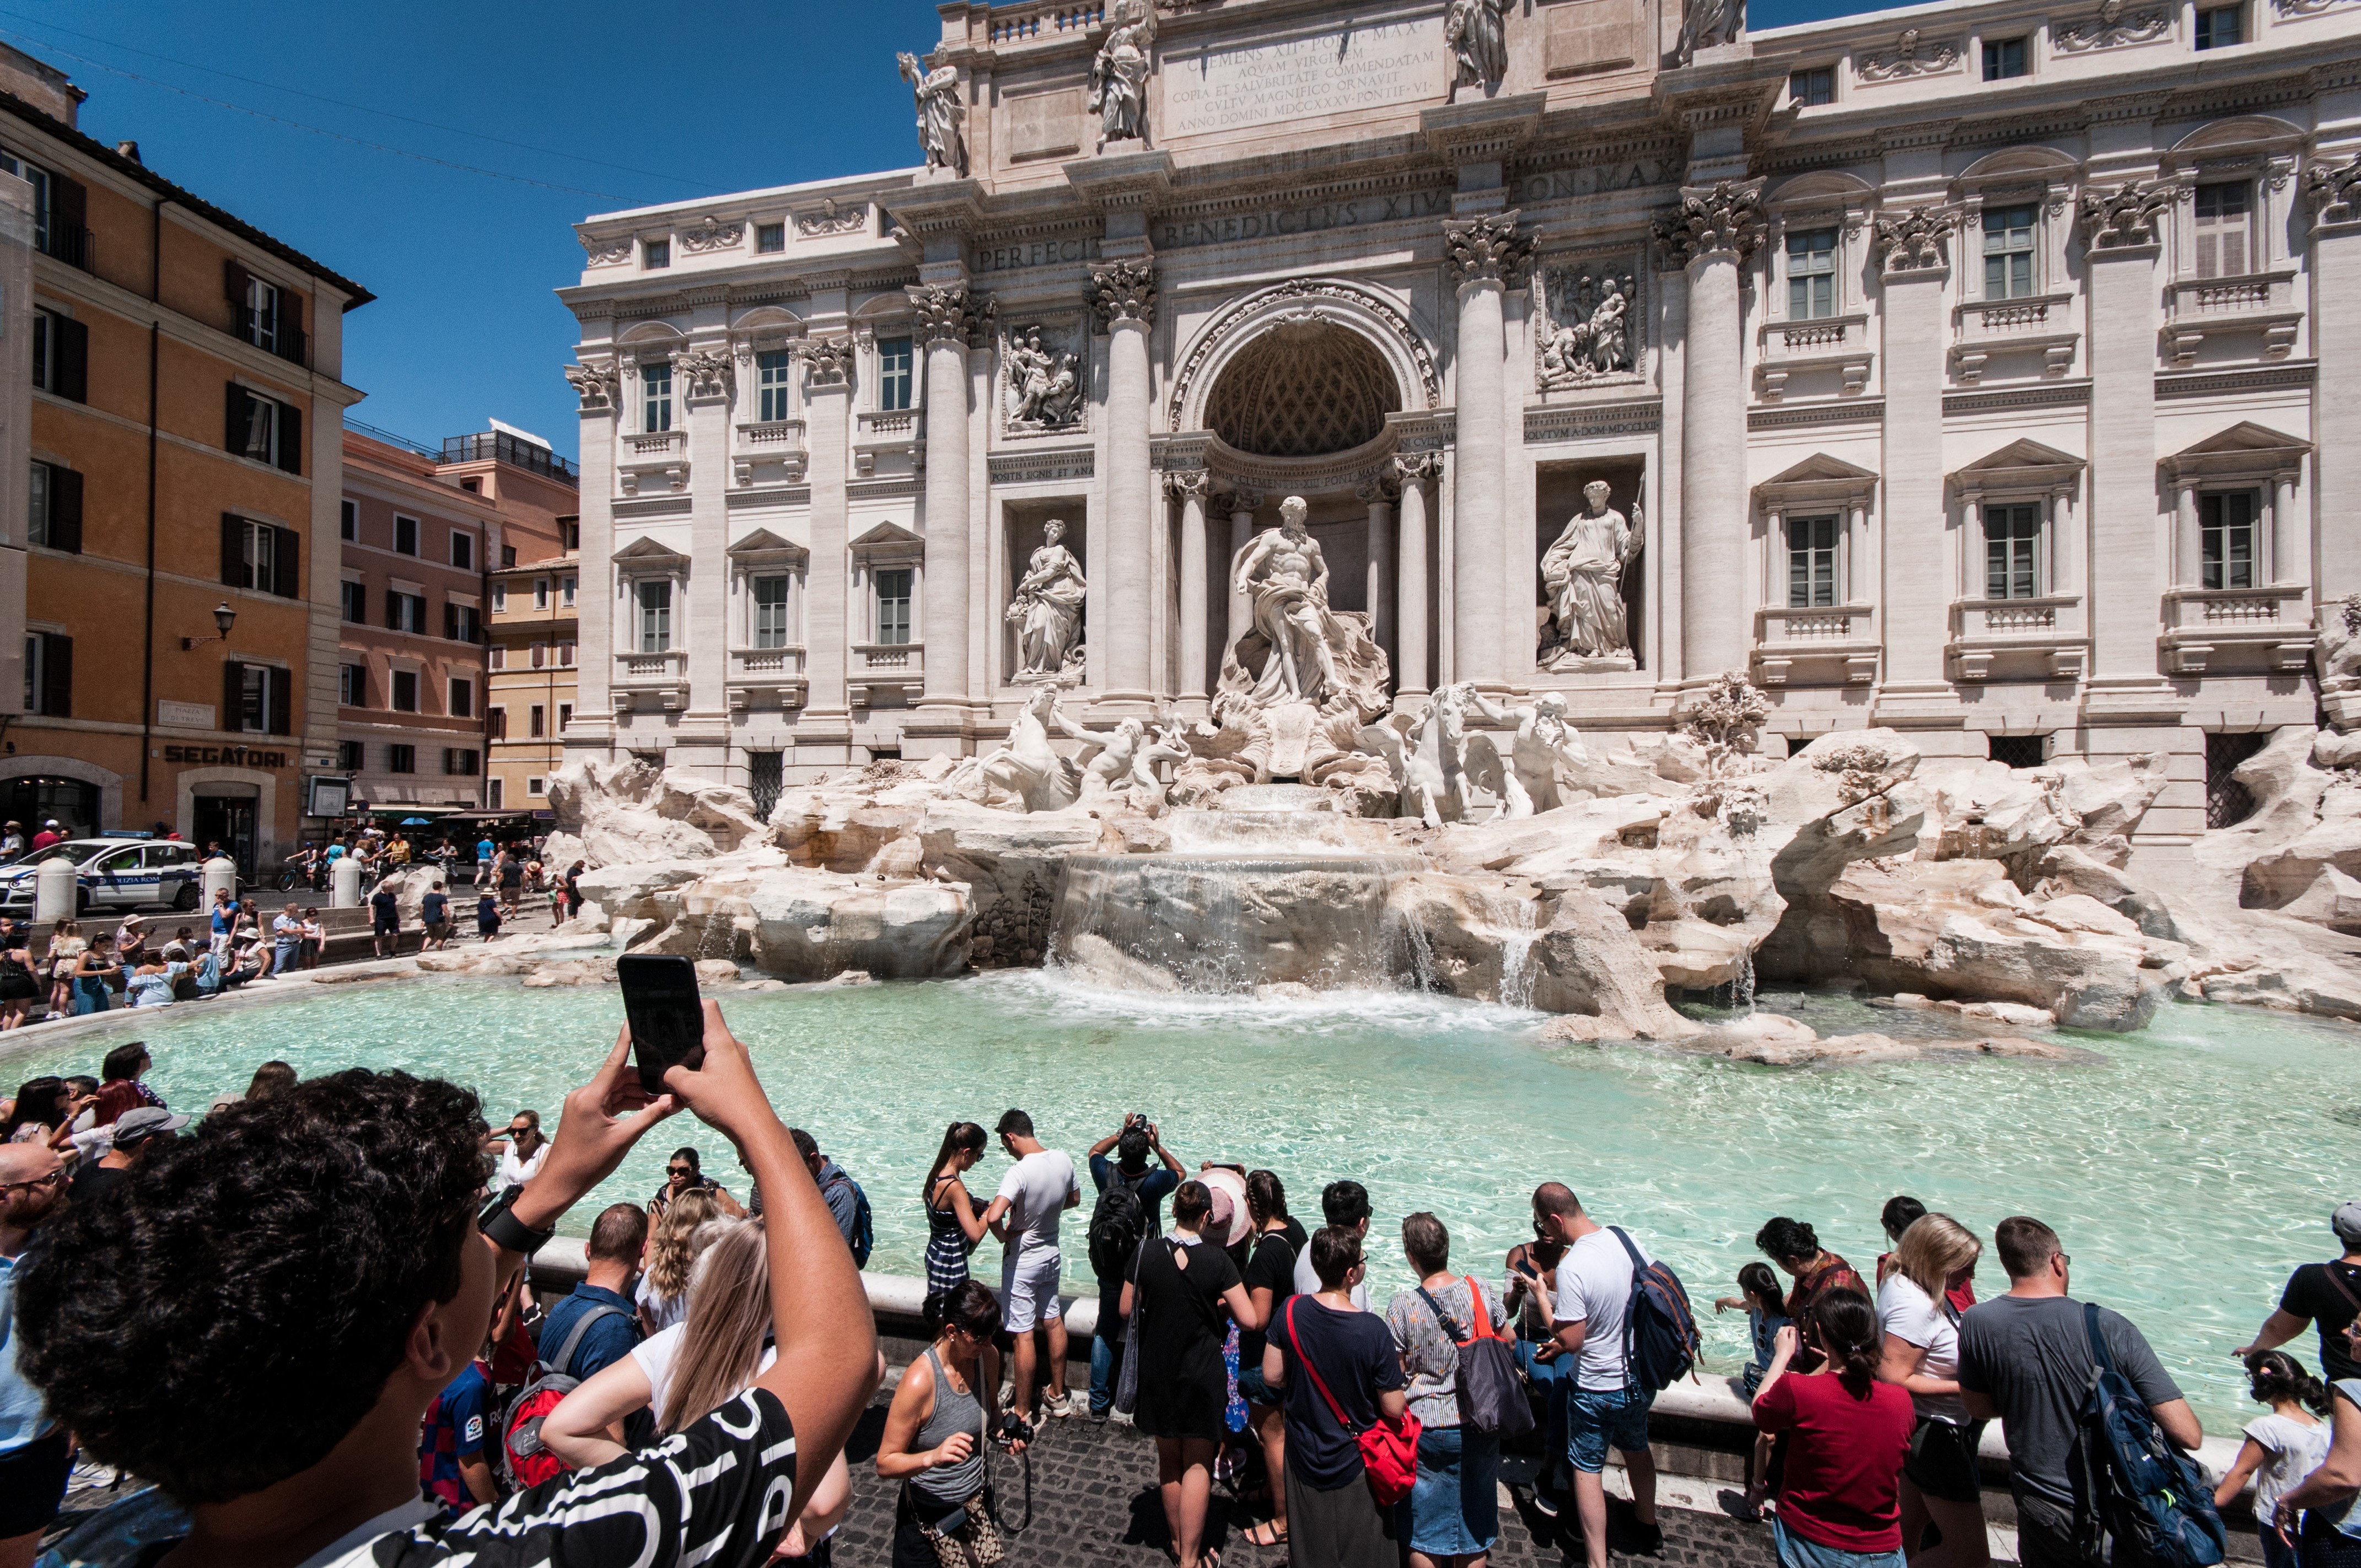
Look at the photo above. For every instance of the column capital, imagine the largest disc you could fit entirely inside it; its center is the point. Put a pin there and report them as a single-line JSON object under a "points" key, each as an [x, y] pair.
{"points": [[1721, 219], [1914, 244], [1238, 501], [2125, 218], [597, 384], [1380, 492], [705, 375], [1487, 249], [1188, 483], [1416, 467], [2334, 190], [950, 311], [830, 360], [1124, 291]]}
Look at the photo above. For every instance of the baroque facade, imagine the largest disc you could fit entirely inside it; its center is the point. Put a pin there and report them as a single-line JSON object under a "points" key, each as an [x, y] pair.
{"points": [[1968, 370]]}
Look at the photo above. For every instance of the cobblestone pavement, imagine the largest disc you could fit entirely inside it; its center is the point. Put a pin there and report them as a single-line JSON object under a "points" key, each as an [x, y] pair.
{"points": [[1094, 1503]]}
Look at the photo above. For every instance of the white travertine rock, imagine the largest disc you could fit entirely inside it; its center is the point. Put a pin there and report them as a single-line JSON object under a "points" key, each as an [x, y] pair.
{"points": [[627, 811], [811, 925]]}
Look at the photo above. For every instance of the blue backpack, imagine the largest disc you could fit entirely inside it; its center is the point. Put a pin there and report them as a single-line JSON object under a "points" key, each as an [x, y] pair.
{"points": [[1659, 1331], [2150, 1497], [864, 1225]]}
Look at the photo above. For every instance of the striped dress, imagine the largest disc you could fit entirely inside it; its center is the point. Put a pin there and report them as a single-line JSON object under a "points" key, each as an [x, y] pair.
{"points": [[947, 1249]]}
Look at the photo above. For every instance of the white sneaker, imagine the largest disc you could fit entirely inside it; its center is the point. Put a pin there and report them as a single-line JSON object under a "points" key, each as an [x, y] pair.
{"points": [[1069, 1405]]}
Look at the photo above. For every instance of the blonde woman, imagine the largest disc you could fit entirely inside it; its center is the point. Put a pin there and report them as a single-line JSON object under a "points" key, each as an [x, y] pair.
{"points": [[672, 1246], [694, 1367], [1935, 1256], [66, 948]]}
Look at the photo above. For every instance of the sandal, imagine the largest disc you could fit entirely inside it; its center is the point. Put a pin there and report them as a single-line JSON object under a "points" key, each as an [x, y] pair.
{"points": [[1266, 1534]]}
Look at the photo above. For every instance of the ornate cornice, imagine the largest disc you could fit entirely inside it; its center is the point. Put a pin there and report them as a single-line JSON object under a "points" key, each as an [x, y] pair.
{"points": [[1487, 249], [596, 383], [1915, 241], [830, 359], [1724, 217], [2126, 217], [2335, 190], [943, 312], [1124, 291]]}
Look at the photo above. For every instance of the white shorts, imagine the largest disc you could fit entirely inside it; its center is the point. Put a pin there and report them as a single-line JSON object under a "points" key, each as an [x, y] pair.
{"points": [[1029, 1292]]}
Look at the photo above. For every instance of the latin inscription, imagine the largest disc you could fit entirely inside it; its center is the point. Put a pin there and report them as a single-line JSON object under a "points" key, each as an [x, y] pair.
{"points": [[990, 258], [1233, 228], [1558, 185], [1336, 72]]}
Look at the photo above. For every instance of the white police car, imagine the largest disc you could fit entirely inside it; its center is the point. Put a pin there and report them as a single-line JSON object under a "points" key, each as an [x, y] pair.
{"points": [[118, 873]]}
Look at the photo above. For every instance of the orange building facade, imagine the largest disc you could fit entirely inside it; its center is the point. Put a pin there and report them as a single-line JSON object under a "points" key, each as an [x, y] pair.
{"points": [[181, 560]]}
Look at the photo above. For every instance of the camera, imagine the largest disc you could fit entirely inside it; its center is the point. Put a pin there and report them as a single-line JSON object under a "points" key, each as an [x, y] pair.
{"points": [[1012, 1429], [1137, 1119]]}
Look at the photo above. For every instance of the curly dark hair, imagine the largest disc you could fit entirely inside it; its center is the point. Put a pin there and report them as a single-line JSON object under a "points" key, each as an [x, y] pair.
{"points": [[1787, 1241], [235, 1307]]}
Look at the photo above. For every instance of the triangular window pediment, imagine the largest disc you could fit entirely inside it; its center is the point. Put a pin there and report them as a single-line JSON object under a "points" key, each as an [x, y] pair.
{"points": [[646, 552], [2245, 451]]}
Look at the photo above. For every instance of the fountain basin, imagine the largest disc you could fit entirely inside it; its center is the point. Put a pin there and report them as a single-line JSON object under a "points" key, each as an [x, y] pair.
{"points": [[1227, 924]]}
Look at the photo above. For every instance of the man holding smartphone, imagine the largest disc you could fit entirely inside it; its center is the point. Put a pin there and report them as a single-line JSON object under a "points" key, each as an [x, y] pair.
{"points": [[1024, 1218], [287, 1428]]}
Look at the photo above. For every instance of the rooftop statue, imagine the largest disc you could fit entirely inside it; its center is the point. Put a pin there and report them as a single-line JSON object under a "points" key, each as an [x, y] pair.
{"points": [[1477, 32], [940, 113], [1119, 74]]}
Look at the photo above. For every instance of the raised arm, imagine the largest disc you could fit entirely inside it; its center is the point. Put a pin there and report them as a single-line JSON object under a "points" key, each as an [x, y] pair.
{"points": [[2278, 1329], [827, 1368]]}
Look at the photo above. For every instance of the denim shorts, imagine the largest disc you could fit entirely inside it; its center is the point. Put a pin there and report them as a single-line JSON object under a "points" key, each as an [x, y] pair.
{"points": [[1795, 1552], [1254, 1391], [1598, 1421]]}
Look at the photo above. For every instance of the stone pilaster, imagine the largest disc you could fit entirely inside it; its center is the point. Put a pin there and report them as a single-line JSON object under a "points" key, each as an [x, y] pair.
{"points": [[1415, 471], [1486, 257], [2334, 186], [1379, 588], [703, 381], [828, 404], [1916, 588], [1190, 487], [1123, 294], [948, 318], [594, 726], [2126, 583], [1711, 236]]}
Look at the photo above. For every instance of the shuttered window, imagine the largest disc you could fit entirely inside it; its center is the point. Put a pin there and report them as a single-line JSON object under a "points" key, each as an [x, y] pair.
{"points": [[60, 356], [261, 557], [264, 429], [55, 519], [48, 674], [2224, 230], [257, 699]]}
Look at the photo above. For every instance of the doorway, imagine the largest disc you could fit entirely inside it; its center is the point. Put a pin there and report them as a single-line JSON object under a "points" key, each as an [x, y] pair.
{"points": [[228, 820]]}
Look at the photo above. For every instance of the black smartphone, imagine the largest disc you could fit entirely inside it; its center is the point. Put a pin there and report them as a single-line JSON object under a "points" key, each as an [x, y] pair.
{"points": [[666, 1016]]}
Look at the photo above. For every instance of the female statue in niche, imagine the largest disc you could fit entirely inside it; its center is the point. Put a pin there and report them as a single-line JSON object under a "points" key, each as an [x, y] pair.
{"points": [[1584, 574], [1119, 75], [1047, 610]]}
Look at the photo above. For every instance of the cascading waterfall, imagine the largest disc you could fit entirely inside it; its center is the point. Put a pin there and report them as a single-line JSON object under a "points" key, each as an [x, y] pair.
{"points": [[1517, 948]]}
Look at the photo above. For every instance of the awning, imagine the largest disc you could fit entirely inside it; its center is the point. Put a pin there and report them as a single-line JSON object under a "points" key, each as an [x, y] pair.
{"points": [[397, 810]]}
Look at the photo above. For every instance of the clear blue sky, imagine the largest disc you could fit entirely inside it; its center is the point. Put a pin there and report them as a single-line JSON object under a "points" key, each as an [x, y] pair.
{"points": [[704, 96]]}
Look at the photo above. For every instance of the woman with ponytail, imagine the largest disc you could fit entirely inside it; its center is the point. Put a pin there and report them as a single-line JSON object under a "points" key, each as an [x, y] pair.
{"points": [[1839, 1496], [954, 1224]]}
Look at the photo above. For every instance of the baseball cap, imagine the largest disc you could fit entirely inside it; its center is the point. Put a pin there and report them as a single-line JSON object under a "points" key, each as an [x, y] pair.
{"points": [[2346, 1222], [136, 1126]]}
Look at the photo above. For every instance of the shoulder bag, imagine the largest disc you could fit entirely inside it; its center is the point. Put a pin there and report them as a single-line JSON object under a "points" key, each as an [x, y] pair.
{"points": [[1490, 1391], [1389, 1454]]}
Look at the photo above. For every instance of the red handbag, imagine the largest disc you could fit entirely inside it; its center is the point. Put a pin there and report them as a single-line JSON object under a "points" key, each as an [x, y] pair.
{"points": [[1389, 1454]]}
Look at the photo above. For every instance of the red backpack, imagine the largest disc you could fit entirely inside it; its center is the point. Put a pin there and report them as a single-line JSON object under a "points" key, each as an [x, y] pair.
{"points": [[524, 1461]]}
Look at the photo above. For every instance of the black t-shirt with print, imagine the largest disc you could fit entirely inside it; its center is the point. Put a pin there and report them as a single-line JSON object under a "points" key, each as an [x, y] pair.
{"points": [[2312, 1293]]}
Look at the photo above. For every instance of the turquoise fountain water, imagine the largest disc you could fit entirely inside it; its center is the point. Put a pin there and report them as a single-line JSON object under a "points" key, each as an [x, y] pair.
{"points": [[2187, 1174]]}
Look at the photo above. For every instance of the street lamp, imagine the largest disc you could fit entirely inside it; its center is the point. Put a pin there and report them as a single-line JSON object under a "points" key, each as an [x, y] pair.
{"points": [[224, 617]]}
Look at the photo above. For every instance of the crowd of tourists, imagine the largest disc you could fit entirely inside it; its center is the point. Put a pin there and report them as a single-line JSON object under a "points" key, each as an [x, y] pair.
{"points": [[396, 1392]]}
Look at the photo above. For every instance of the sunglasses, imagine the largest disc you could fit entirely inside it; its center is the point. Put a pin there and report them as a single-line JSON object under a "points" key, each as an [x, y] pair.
{"points": [[680, 1170], [49, 1180]]}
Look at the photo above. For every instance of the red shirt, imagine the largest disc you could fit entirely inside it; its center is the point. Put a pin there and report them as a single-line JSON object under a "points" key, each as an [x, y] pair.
{"points": [[1961, 1296], [1844, 1459]]}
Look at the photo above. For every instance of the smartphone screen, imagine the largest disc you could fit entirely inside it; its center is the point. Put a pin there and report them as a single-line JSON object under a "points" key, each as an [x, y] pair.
{"points": [[666, 1017]]}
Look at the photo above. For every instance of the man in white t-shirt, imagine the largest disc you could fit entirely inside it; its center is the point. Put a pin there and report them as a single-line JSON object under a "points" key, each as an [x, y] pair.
{"points": [[1605, 1409], [1023, 1217]]}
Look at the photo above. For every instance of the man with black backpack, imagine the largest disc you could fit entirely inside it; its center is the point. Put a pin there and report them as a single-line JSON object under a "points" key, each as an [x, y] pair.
{"points": [[2027, 1359], [1129, 1210], [1597, 1279]]}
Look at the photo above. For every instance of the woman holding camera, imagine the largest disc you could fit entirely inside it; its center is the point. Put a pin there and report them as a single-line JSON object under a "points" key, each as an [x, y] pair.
{"points": [[933, 1442]]}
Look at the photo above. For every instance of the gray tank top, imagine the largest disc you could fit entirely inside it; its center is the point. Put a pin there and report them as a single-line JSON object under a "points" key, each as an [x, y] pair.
{"points": [[955, 1410]]}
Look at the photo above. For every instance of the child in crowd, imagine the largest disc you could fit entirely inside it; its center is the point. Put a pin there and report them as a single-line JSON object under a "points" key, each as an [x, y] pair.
{"points": [[488, 917], [1766, 1314], [2286, 1445]]}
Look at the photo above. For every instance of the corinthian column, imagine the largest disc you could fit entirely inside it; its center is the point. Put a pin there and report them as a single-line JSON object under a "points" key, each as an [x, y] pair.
{"points": [[948, 318], [1710, 238], [1918, 582], [2123, 238], [1486, 257], [1124, 295], [1413, 470], [1377, 495], [1191, 486]]}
